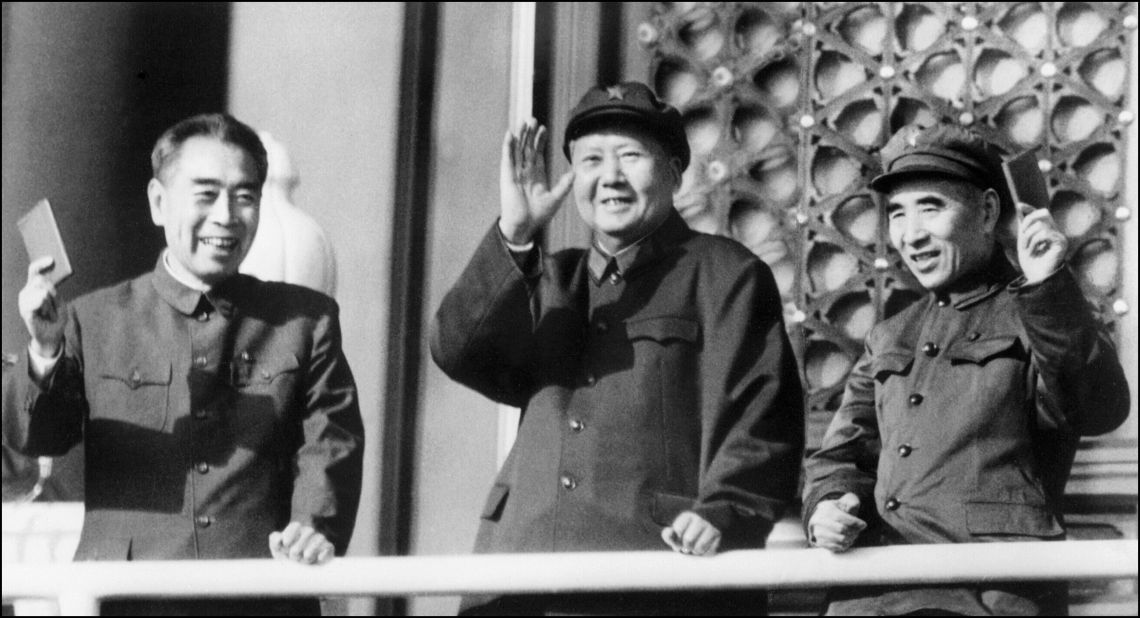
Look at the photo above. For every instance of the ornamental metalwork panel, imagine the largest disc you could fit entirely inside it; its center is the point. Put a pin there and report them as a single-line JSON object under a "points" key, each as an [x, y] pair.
{"points": [[786, 105]]}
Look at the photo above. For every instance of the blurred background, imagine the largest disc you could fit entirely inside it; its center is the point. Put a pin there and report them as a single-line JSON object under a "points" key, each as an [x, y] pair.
{"points": [[391, 117]]}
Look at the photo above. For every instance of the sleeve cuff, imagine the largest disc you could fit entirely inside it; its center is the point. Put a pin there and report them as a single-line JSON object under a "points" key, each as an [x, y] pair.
{"points": [[516, 248], [41, 367], [526, 256]]}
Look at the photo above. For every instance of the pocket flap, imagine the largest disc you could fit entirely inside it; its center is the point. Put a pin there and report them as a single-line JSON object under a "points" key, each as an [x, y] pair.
{"points": [[663, 329], [140, 373], [1012, 518], [245, 371], [980, 351], [892, 362], [496, 500], [666, 507]]}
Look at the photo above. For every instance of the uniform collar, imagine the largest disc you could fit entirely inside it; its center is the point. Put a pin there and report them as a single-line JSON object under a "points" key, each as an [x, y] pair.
{"points": [[980, 284], [188, 300], [672, 231]]}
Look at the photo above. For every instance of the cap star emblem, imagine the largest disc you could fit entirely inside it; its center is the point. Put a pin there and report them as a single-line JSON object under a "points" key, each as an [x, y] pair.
{"points": [[912, 138], [616, 92]]}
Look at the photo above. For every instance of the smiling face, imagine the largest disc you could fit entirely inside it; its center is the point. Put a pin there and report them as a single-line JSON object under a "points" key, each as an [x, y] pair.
{"points": [[943, 228], [207, 202], [623, 184]]}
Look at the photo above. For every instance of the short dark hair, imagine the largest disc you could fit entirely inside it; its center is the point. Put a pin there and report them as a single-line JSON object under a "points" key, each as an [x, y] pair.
{"points": [[223, 127]]}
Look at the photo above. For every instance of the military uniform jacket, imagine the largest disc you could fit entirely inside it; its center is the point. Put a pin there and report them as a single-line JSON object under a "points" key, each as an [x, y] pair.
{"points": [[664, 386], [960, 424], [209, 420]]}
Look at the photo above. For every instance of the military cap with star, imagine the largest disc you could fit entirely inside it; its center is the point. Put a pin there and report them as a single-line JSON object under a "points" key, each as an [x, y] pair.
{"points": [[943, 151], [628, 104]]}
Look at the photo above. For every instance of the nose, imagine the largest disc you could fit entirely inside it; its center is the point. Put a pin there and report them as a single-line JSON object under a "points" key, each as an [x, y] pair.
{"points": [[611, 171], [914, 231], [221, 211]]}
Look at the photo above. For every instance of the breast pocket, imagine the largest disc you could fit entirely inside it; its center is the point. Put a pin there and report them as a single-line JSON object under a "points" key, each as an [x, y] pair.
{"points": [[135, 391], [660, 392], [664, 330], [891, 363], [262, 372], [986, 350], [665, 358]]}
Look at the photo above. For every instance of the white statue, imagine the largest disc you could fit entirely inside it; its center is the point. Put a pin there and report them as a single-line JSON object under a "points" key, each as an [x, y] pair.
{"points": [[290, 245]]}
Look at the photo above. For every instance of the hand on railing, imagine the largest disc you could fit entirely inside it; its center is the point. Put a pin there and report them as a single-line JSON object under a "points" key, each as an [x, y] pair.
{"points": [[300, 543], [834, 525], [692, 534]]}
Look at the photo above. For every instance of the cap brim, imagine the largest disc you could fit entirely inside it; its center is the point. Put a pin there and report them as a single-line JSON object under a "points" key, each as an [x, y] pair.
{"points": [[627, 118], [927, 164], [883, 182]]}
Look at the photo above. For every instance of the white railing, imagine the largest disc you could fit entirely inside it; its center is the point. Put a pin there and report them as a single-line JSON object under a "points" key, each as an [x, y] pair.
{"points": [[80, 586]]}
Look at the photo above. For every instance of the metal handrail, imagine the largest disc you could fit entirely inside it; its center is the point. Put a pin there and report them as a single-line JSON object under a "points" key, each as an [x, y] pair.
{"points": [[80, 586]]}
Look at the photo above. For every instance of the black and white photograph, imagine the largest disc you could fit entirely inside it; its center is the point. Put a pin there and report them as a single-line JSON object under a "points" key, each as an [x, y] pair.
{"points": [[570, 308]]}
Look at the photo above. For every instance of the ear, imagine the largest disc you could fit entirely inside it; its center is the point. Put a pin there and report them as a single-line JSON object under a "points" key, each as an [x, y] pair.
{"points": [[156, 195], [676, 172], [991, 210]]}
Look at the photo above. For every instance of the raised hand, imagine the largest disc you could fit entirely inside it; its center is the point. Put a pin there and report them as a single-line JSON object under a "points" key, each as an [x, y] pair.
{"points": [[527, 204], [40, 310], [1040, 245]]}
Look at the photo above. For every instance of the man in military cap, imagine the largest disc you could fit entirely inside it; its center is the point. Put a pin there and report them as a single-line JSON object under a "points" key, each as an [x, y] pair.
{"points": [[960, 422], [218, 412], [661, 402]]}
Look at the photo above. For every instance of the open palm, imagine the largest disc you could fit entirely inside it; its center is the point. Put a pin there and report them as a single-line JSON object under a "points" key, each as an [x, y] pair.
{"points": [[527, 201]]}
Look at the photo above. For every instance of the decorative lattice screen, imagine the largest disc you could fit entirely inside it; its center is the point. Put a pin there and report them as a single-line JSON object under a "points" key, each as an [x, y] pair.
{"points": [[788, 103]]}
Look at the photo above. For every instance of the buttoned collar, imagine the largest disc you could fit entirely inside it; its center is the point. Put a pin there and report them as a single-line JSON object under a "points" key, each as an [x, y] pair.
{"points": [[186, 297], [643, 252], [980, 284]]}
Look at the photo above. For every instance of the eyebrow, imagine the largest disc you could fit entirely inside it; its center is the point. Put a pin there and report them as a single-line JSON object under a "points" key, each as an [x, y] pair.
{"points": [[932, 200], [217, 184]]}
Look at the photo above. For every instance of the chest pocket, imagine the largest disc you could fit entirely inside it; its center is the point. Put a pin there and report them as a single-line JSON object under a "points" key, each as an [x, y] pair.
{"points": [[663, 329], [892, 362], [134, 391], [982, 351], [250, 373]]}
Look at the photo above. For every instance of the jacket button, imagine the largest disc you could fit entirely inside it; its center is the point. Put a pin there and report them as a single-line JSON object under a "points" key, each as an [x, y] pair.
{"points": [[201, 414], [590, 379], [200, 362], [135, 378], [577, 425], [203, 521], [601, 327], [202, 467], [568, 482], [930, 348], [893, 505], [905, 450], [974, 336], [915, 399]]}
